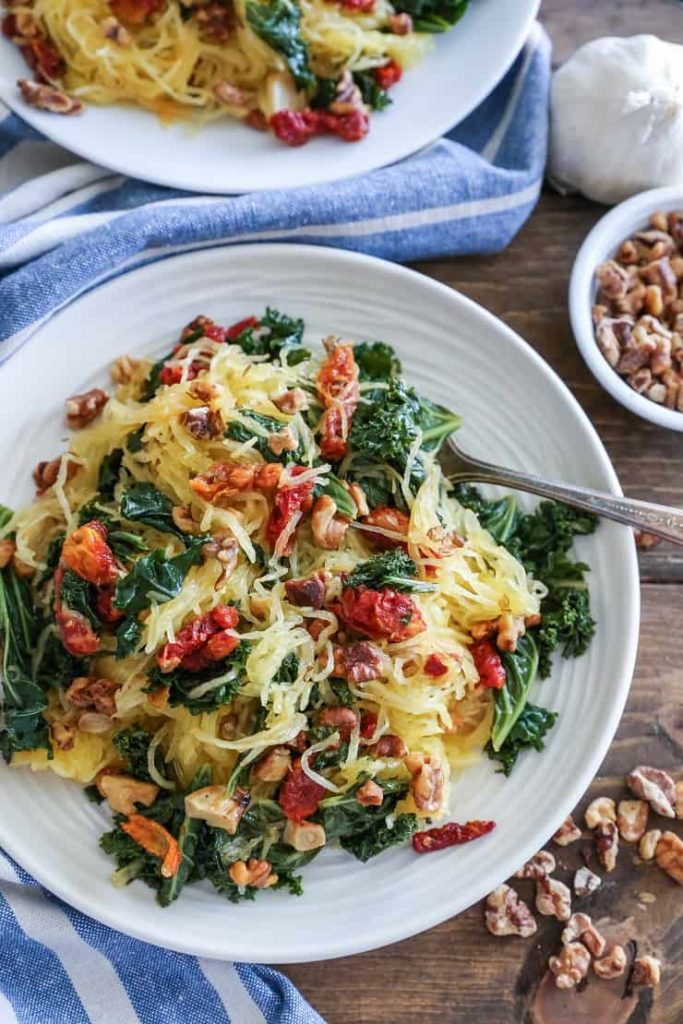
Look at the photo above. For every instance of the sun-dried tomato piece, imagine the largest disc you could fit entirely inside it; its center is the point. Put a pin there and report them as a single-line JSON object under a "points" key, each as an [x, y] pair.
{"points": [[488, 664], [451, 834], [155, 839], [295, 127], [435, 666], [197, 644], [380, 614], [249, 322], [136, 12], [368, 724], [386, 518], [45, 59], [76, 633], [299, 796], [388, 75], [338, 390], [358, 6], [202, 327], [290, 504], [105, 608], [86, 552], [351, 127]]}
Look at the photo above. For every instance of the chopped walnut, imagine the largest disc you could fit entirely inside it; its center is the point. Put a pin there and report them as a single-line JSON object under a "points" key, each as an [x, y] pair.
{"points": [[7, 551], [284, 440], [114, 30], [389, 745], [348, 97], [92, 692], [678, 799], [602, 808], [586, 882], [292, 401], [204, 423], [538, 866], [427, 782], [225, 549], [359, 499], [125, 369], [62, 736], [567, 833], [327, 527], [254, 874], [632, 819], [646, 971], [612, 965], [83, 409], [47, 97], [580, 926], [655, 786], [647, 847], [553, 898], [506, 914], [510, 629], [231, 96], [359, 662], [669, 856], [571, 965], [370, 794], [645, 541], [45, 474], [607, 844]]}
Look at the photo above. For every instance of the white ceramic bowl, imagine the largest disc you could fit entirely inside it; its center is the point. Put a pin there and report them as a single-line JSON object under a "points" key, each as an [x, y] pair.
{"points": [[516, 410], [600, 244]]}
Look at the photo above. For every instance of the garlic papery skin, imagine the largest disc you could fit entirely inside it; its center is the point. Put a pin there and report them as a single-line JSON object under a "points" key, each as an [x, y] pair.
{"points": [[616, 118]]}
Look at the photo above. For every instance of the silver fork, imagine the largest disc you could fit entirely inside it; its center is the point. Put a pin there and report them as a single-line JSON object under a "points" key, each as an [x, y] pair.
{"points": [[661, 520]]}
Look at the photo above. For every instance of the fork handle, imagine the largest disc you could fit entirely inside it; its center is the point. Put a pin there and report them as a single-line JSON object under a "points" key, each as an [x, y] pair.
{"points": [[661, 520]]}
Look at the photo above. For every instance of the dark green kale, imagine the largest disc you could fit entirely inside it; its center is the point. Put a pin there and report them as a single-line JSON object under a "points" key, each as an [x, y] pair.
{"points": [[238, 431], [528, 733], [432, 15], [341, 691], [288, 670], [335, 489], [54, 553], [79, 596], [521, 667], [276, 331], [363, 831], [133, 746], [278, 24], [145, 503], [188, 838], [376, 98], [109, 473], [152, 384], [128, 637], [182, 682], [500, 517], [23, 726], [55, 667], [393, 569], [375, 359], [329, 757], [157, 577], [131, 860], [380, 838], [135, 440], [567, 624]]}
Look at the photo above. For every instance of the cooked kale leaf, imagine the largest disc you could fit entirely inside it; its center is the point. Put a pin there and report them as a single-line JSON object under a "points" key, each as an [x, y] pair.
{"points": [[528, 733], [278, 23], [145, 503], [109, 473], [363, 831], [238, 431], [133, 746], [520, 666], [188, 838], [394, 569], [79, 596], [157, 577], [128, 637], [500, 517], [276, 331], [375, 359], [182, 682]]}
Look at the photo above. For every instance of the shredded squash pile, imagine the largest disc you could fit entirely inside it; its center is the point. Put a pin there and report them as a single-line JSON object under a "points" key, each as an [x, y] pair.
{"points": [[251, 565]]}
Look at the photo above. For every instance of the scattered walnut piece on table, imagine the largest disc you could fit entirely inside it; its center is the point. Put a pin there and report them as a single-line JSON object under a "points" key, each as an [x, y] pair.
{"points": [[678, 802], [580, 926], [612, 965], [655, 786], [648, 844], [603, 808], [586, 881], [538, 866], [506, 914], [607, 844], [632, 819], [571, 965], [568, 832], [646, 971], [669, 856], [553, 898]]}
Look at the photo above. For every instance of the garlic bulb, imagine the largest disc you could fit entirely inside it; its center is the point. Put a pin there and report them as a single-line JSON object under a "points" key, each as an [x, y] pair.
{"points": [[617, 118]]}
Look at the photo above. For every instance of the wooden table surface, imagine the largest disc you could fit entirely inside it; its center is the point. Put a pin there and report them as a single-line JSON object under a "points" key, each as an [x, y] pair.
{"points": [[457, 972]]}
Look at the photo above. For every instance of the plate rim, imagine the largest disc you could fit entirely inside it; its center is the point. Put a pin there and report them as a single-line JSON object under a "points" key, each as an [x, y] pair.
{"points": [[42, 123], [574, 788]]}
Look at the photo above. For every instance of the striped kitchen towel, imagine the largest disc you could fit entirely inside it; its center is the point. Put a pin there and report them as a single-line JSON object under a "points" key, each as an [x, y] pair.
{"points": [[66, 225], [58, 966]]}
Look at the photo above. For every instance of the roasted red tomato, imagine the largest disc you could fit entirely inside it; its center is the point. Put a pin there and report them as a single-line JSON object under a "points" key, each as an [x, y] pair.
{"points": [[451, 834], [202, 641], [45, 59], [338, 390], [380, 614], [358, 6], [105, 608], [388, 75], [86, 552], [173, 374], [299, 796], [435, 666], [235, 330], [488, 664], [135, 12], [202, 327], [290, 504], [76, 633], [368, 724]]}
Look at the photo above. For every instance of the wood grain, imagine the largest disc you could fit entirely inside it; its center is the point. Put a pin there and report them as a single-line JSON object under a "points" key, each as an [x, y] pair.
{"points": [[458, 973]]}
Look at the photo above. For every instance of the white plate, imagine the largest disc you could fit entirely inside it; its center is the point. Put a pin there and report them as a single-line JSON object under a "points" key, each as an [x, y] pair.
{"points": [[226, 157], [515, 410]]}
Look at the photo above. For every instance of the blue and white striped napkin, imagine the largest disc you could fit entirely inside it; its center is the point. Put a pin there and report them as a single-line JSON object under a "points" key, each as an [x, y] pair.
{"points": [[67, 225]]}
